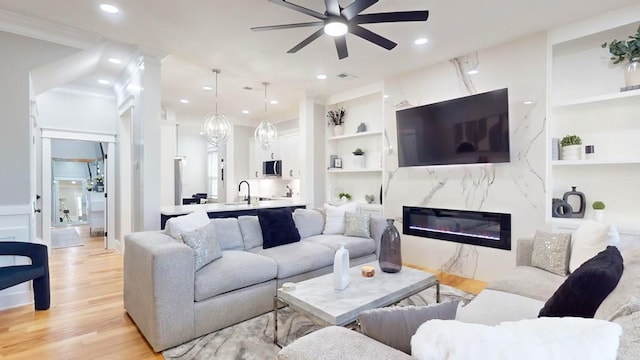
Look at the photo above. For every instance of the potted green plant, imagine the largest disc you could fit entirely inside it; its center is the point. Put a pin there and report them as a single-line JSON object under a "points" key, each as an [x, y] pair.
{"points": [[598, 210], [344, 196], [336, 119], [627, 50], [571, 147]]}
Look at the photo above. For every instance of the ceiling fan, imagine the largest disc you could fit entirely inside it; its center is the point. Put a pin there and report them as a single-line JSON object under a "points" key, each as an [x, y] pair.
{"points": [[337, 21]]}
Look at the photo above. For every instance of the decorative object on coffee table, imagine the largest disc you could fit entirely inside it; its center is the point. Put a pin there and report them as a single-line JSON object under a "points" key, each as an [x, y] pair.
{"points": [[598, 210], [571, 147], [627, 50], [341, 268], [368, 271], [581, 204], [336, 119], [390, 251]]}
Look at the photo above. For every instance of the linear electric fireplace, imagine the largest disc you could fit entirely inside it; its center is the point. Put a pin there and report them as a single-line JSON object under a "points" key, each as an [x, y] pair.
{"points": [[467, 227]]}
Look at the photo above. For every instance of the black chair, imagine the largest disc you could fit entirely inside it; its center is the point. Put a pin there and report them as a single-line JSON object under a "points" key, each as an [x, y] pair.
{"points": [[38, 270]]}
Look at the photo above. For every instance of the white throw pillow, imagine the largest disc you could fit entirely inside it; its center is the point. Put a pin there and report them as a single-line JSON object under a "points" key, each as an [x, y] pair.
{"points": [[590, 239], [548, 338], [186, 223], [334, 217]]}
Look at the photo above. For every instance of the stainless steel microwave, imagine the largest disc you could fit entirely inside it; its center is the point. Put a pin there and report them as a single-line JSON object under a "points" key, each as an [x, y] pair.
{"points": [[272, 168]]}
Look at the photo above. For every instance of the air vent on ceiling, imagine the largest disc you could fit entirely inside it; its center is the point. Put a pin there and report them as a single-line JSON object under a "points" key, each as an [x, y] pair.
{"points": [[346, 76], [248, 88]]}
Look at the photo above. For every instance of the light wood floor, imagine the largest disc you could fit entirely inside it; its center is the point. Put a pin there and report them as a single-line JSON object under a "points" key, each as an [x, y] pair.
{"points": [[87, 318]]}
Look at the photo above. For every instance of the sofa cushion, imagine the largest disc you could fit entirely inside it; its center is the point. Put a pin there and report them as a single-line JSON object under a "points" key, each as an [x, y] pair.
{"points": [[551, 252], [491, 307], [334, 221], [630, 340], [528, 281], [175, 226], [278, 227], [628, 287], [297, 258], [309, 222], [251, 231], [356, 246], [228, 233], [530, 339], [588, 240], [236, 269], [394, 326], [204, 244], [357, 225], [586, 288]]}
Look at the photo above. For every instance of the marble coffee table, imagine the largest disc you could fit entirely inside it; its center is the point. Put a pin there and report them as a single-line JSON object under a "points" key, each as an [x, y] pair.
{"points": [[316, 298]]}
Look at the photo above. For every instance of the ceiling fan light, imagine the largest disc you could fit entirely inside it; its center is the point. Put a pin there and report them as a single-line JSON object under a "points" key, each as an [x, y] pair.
{"points": [[335, 28]]}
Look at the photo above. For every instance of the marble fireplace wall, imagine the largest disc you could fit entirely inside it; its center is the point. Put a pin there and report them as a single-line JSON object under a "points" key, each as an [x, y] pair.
{"points": [[517, 187]]}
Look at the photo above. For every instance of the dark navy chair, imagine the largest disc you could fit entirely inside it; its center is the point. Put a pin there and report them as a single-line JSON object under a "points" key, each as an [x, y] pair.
{"points": [[38, 270]]}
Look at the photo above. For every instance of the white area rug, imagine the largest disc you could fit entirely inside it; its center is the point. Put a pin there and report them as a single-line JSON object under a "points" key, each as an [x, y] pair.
{"points": [[65, 237], [253, 339]]}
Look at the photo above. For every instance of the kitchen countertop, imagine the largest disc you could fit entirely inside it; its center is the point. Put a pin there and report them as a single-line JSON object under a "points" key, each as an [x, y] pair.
{"points": [[222, 207]]}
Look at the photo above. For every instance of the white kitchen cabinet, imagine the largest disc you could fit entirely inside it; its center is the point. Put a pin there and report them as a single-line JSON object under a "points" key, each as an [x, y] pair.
{"points": [[288, 148]]}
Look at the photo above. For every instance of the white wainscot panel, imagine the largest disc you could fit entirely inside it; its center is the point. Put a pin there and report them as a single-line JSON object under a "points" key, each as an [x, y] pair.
{"points": [[15, 227]]}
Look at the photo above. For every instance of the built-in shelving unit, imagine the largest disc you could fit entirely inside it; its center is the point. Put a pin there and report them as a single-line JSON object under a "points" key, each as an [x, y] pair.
{"points": [[585, 100], [363, 105]]}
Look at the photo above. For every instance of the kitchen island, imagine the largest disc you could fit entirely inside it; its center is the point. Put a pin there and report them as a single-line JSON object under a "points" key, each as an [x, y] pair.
{"points": [[223, 210]]}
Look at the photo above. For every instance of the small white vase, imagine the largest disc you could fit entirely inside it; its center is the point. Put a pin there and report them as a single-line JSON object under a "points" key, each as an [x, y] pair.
{"points": [[598, 215], [341, 268], [338, 130], [571, 152], [359, 161], [632, 73]]}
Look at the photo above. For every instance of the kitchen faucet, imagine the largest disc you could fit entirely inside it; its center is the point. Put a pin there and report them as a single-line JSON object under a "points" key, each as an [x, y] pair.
{"points": [[248, 190]]}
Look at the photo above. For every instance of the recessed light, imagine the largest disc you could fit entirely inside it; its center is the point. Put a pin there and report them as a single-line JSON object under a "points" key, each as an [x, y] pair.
{"points": [[201, 133], [184, 101], [245, 111], [207, 88], [108, 8], [73, 182], [115, 61], [273, 102], [472, 71], [386, 96], [421, 41], [104, 82], [321, 77], [528, 102]]}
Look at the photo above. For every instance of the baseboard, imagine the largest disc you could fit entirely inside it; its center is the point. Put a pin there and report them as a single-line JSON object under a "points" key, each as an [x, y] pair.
{"points": [[14, 299]]}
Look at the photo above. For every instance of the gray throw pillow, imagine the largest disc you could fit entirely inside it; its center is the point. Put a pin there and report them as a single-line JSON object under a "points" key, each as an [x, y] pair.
{"points": [[228, 233], [309, 222], [205, 245], [251, 231], [357, 225], [551, 252], [394, 326]]}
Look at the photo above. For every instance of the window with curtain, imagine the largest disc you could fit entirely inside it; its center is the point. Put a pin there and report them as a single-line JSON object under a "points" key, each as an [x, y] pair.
{"points": [[212, 170]]}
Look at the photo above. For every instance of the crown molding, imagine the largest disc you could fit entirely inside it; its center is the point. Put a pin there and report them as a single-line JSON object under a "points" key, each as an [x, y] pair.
{"points": [[48, 31]]}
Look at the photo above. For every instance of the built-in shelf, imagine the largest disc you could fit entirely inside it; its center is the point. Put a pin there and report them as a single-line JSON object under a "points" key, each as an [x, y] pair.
{"points": [[599, 98], [574, 223], [593, 162], [356, 135], [336, 171]]}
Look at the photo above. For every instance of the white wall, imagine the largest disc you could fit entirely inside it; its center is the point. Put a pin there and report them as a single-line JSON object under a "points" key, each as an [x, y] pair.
{"points": [[62, 109], [72, 149], [517, 187]]}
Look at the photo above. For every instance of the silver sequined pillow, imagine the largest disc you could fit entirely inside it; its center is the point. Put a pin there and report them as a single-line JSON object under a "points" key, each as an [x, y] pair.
{"points": [[205, 245], [357, 225], [551, 252]]}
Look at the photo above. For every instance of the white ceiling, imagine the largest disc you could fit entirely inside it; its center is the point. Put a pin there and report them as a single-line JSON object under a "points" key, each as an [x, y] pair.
{"points": [[200, 35]]}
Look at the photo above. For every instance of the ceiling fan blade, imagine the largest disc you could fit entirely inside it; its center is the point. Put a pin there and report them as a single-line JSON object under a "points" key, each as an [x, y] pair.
{"points": [[299, 8], [392, 17], [306, 41], [333, 7], [356, 8], [373, 37], [341, 46], [287, 26]]}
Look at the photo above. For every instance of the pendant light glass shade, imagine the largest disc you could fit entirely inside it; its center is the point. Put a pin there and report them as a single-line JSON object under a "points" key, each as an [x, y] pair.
{"points": [[266, 133], [216, 126]]}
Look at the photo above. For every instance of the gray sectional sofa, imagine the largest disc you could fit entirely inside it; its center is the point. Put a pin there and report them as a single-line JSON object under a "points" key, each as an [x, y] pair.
{"points": [[518, 295], [171, 303]]}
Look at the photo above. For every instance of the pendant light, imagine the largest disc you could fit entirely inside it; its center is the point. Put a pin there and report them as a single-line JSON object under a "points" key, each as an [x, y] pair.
{"points": [[265, 133], [216, 126]]}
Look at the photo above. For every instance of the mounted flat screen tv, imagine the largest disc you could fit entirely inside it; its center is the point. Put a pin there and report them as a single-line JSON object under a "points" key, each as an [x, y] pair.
{"points": [[468, 130]]}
